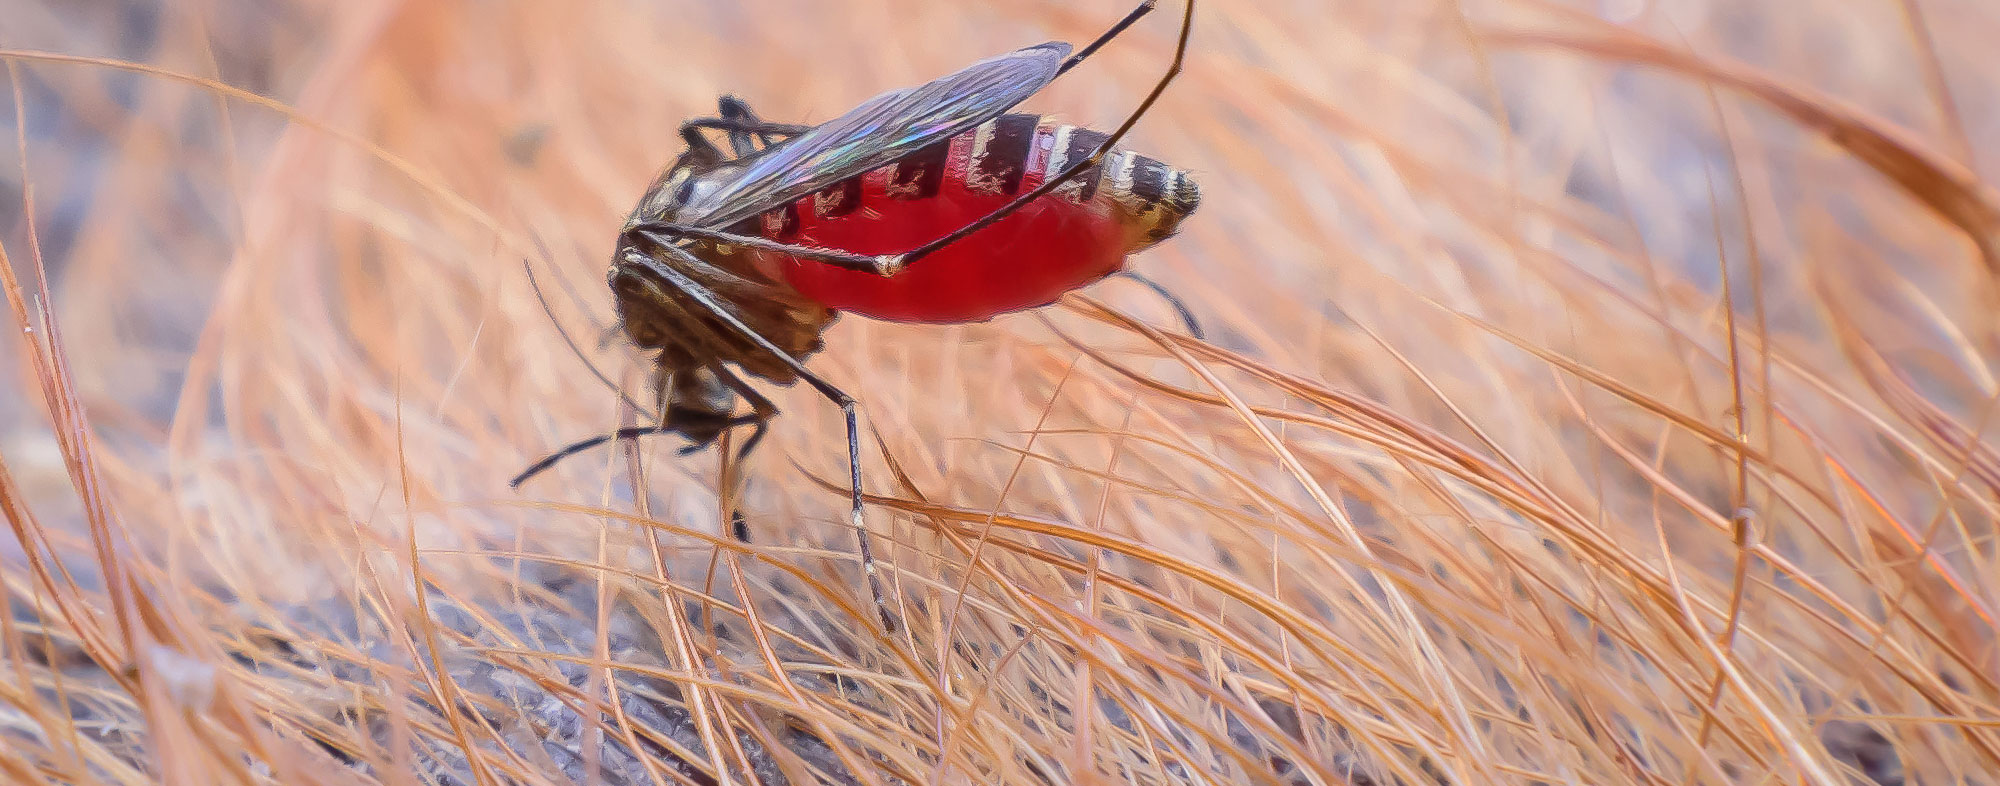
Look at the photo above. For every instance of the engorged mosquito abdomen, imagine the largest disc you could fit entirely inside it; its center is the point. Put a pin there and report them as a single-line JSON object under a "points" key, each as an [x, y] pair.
{"points": [[1028, 259], [1065, 240]]}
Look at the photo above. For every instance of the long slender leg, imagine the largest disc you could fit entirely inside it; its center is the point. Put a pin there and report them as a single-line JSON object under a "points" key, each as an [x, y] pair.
{"points": [[769, 133], [764, 410], [736, 110], [739, 133], [1096, 156], [759, 127], [663, 234], [697, 293], [1187, 316], [629, 432], [1091, 49], [691, 134]]}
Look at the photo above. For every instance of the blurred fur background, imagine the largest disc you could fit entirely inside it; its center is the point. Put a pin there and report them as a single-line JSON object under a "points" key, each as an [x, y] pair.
{"points": [[1598, 392]]}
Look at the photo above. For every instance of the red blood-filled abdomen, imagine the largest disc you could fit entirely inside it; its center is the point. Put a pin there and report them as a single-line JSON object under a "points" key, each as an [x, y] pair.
{"points": [[1027, 259]]}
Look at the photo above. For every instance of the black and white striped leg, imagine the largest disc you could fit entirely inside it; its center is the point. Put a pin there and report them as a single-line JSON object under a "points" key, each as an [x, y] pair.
{"points": [[1180, 308]]}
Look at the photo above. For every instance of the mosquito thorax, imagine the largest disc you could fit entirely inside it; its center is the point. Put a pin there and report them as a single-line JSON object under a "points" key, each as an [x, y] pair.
{"points": [[658, 315], [691, 175]]}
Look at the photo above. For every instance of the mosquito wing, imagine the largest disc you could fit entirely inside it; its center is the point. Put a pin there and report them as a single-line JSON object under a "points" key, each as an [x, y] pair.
{"points": [[878, 132]]}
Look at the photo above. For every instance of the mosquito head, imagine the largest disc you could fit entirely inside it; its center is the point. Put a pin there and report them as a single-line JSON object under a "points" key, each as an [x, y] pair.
{"points": [[692, 175], [698, 405]]}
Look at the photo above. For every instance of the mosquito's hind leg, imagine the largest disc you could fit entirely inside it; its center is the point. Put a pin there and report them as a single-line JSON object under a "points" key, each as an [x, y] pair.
{"points": [[777, 131], [1180, 308], [736, 110], [694, 291], [740, 125], [899, 261], [699, 144], [1144, 8]]}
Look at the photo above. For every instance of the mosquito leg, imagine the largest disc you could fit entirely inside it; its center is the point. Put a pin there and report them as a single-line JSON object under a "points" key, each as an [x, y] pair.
{"points": [[737, 110], [733, 108], [661, 380], [629, 432], [691, 133], [1143, 9], [762, 409], [1187, 316], [759, 127], [697, 293], [739, 135], [741, 123], [663, 234], [737, 526], [899, 261]]}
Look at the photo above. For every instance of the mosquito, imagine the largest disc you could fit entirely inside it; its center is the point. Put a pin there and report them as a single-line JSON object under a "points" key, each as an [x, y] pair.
{"points": [[930, 204]]}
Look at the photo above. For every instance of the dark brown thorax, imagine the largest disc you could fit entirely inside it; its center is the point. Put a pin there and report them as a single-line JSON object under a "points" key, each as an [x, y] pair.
{"points": [[659, 316]]}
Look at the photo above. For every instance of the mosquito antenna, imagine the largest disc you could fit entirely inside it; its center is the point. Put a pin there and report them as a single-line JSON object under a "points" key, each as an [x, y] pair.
{"points": [[1187, 316], [529, 266], [569, 288]]}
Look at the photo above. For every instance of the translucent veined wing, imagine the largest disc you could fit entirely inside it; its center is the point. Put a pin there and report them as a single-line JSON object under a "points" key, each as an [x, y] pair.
{"points": [[876, 133]]}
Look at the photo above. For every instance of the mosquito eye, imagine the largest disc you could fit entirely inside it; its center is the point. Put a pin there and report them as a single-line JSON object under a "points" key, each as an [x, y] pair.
{"points": [[685, 189]]}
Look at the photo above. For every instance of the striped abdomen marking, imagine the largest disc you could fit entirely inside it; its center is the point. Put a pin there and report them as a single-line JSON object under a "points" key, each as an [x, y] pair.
{"points": [[1076, 234], [1008, 155]]}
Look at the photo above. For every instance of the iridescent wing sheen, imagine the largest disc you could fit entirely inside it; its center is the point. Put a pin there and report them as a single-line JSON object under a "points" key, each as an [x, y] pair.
{"points": [[876, 133]]}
